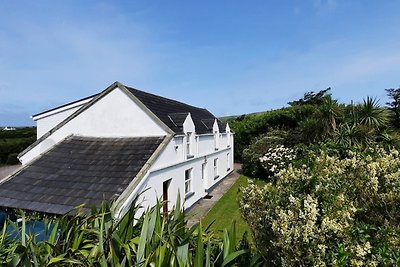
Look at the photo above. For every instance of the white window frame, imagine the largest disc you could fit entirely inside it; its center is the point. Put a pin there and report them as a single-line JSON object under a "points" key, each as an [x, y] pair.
{"points": [[188, 182], [189, 145], [228, 161], [216, 140], [215, 162]]}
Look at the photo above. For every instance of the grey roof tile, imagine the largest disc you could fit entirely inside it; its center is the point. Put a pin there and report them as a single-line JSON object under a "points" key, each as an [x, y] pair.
{"points": [[79, 170]]}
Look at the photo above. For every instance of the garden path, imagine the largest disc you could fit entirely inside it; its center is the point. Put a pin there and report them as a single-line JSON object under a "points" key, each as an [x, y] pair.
{"points": [[203, 206]]}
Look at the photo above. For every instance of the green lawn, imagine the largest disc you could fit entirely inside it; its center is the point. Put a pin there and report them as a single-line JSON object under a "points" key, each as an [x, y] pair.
{"points": [[226, 210]]}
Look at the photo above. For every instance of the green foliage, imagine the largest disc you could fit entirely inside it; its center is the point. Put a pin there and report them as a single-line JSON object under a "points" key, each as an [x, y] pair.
{"points": [[372, 115], [12, 159], [14, 142], [333, 211], [394, 105], [248, 128], [322, 119], [251, 156], [100, 240]]}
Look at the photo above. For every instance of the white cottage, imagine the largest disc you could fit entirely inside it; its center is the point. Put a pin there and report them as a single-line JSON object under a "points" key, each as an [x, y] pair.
{"points": [[113, 146]]}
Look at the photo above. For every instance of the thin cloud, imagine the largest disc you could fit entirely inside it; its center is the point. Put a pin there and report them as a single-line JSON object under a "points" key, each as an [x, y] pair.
{"points": [[325, 5]]}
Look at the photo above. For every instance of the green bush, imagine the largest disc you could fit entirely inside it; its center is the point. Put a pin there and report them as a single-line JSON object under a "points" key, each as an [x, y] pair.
{"points": [[248, 128], [12, 159], [267, 154], [331, 212], [14, 142]]}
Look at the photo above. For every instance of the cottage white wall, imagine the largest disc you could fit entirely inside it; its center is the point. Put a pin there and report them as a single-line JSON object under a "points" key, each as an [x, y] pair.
{"points": [[114, 115], [45, 124], [176, 172], [172, 164]]}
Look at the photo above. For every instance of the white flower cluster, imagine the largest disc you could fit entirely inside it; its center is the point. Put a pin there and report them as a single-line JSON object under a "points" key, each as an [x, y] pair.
{"points": [[312, 215], [277, 158]]}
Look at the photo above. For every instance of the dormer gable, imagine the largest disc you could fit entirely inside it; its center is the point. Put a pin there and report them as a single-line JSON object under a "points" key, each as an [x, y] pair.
{"points": [[227, 128], [215, 126], [188, 125]]}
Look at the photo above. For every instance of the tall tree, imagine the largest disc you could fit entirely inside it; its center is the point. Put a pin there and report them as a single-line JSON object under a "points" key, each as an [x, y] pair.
{"points": [[394, 105]]}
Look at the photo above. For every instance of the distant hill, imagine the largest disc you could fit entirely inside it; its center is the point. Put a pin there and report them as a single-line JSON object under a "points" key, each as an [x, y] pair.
{"points": [[234, 117]]}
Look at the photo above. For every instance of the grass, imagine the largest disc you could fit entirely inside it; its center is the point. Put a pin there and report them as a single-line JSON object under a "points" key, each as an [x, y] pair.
{"points": [[226, 210]]}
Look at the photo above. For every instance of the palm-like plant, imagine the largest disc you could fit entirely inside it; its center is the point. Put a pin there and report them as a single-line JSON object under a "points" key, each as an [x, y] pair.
{"points": [[324, 122], [372, 115], [330, 111]]}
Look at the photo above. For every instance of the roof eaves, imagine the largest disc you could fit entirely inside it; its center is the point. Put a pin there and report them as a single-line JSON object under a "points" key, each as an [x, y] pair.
{"points": [[65, 105]]}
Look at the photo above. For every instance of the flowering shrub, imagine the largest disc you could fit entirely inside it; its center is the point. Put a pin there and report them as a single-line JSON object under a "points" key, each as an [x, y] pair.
{"points": [[332, 212], [252, 166], [277, 158]]}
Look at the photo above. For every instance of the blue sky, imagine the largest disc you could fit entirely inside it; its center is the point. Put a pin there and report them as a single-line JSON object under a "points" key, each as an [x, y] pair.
{"points": [[231, 57]]}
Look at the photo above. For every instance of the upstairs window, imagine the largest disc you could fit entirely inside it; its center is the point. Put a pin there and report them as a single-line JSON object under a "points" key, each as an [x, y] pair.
{"points": [[228, 162], [216, 140], [189, 152], [216, 169]]}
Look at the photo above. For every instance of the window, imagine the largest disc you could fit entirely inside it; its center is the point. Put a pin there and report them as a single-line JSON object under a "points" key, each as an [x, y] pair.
{"points": [[188, 181], [216, 169], [228, 162], [216, 136], [189, 153]]}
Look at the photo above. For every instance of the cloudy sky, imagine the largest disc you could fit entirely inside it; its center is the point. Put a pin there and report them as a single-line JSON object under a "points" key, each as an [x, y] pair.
{"points": [[231, 57]]}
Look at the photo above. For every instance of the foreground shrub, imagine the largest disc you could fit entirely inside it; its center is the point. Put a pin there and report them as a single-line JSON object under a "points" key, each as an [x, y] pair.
{"points": [[332, 212], [100, 240]]}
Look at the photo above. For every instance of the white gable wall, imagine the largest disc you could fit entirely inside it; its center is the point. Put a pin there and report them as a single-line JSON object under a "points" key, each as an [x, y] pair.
{"points": [[114, 115], [45, 124], [49, 119]]}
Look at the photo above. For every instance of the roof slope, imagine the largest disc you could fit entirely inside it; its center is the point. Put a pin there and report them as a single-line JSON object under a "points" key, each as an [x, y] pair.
{"points": [[79, 170], [167, 110]]}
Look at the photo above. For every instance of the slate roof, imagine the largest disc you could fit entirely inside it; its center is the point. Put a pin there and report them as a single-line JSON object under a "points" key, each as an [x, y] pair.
{"points": [[79, 170], [165, 109], [170, 112]]}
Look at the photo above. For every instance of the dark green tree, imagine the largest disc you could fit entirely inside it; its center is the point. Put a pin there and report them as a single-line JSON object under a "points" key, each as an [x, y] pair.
{"points": [[394, 105]]}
